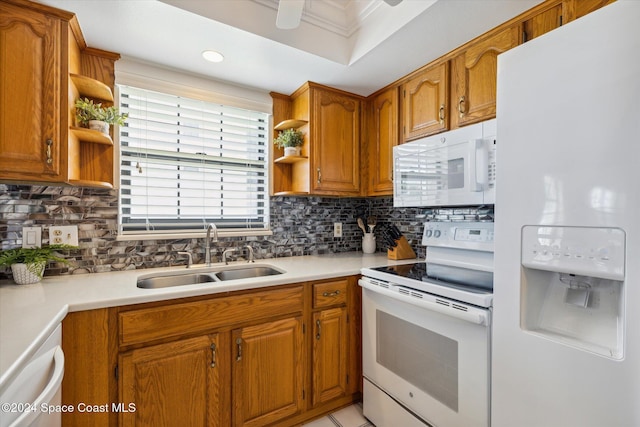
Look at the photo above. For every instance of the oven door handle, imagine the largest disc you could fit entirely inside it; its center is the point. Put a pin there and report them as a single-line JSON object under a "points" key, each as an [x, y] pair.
{"points": [[469, 314]]}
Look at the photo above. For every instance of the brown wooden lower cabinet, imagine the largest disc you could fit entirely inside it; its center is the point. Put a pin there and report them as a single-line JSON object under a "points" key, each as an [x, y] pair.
{"points": [[172, 384], [268, 372], [330, 359], [259, 361]]}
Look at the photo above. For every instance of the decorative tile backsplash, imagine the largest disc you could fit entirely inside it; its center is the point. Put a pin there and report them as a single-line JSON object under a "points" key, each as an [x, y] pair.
{"points": [[300, 225]]}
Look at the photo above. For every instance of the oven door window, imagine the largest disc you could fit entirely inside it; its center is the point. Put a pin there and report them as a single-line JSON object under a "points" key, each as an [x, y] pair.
{"points": [[421, 357]]}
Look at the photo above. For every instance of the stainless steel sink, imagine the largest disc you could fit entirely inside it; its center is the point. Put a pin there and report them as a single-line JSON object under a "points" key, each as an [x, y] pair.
{"points": [[246, 273], [160, 280], [156, 282]]}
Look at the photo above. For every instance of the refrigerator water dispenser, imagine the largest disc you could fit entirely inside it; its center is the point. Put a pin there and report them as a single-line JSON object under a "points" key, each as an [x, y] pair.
{"points": [[572, 287]]}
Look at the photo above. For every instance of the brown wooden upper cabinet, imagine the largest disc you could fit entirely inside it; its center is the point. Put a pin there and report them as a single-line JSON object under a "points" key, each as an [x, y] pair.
{"points": [[383, 136], [545, 21], [474, 72], [33, 79], [335, 133], [46, 67], [425, 99], [330, 161]]}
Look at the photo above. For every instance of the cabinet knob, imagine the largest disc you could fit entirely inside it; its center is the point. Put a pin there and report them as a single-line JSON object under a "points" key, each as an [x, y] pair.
{"points": [[49, 143]]}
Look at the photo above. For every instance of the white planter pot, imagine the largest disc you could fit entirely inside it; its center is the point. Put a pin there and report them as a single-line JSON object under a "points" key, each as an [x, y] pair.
{"points": [[291, 151], [99, 125], [24, 276]]}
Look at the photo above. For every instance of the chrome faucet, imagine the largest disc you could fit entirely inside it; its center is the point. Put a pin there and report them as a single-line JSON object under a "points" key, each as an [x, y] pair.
{"points": [[207, 243]]}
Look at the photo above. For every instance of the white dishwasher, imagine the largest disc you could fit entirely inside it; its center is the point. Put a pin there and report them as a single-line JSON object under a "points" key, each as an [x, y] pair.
{"points": [[27, 400]]}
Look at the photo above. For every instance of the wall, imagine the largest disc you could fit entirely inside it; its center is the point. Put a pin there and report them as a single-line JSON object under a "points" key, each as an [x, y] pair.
{"points": [[301, 226]]}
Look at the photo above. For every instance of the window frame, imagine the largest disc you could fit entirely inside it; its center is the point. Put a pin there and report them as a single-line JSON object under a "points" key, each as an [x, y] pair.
{"points": [[190, 87]]}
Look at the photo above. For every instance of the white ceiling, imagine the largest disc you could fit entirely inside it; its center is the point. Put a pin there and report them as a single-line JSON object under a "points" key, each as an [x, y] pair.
{"points": [[355, 45]]}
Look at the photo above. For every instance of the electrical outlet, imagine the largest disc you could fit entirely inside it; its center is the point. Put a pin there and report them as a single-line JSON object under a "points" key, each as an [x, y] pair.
{"points": [[31, 237], [63, 235], [337, 229]]}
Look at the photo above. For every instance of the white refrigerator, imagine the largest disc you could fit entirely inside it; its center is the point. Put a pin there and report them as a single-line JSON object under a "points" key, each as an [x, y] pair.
{"points": [[566, 325]]}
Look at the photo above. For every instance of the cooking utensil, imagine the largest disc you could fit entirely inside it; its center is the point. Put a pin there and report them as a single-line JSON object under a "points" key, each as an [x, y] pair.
{"points": [[371, 222], [361, 225]]}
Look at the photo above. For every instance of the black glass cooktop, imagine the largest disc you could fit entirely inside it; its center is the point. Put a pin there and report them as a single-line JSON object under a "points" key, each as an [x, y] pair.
{"points": [[416, 271], [460, 278]]}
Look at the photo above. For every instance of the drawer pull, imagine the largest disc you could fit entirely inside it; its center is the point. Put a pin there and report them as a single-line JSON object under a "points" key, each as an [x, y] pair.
{"points": [[331, 294]]}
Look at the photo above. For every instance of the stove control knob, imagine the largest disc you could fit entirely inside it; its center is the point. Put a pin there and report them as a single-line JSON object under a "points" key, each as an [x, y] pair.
{"points": [[429, 233], [436, 234]]}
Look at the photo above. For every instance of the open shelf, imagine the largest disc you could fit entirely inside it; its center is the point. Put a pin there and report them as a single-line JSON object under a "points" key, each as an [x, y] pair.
{"points": [[90, 135], [290, 159], [91, 88], [291, 123]]}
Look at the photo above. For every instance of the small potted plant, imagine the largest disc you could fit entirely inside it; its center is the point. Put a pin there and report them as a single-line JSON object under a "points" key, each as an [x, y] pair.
{"points": [[291, 140], [96, 117], [28, 264]]}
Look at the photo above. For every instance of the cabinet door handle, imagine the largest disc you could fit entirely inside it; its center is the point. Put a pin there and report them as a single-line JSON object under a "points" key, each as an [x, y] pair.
{"points": [[461, 106], [213, 355], [441, 114], [49, 155], [319, 176], [319, 329], [239, 349], [331, 294]]}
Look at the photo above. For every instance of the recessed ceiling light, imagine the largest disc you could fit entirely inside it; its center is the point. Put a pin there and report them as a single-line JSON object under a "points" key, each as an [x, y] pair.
{"points": [[212, 56]]}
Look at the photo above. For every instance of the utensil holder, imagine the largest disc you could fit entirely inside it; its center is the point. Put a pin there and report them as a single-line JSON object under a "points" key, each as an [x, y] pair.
{"points": [[402, 250], [368, 243]]}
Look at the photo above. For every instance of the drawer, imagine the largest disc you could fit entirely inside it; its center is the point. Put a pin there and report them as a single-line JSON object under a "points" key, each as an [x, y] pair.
{"points": [[329, 293], [175, 320]]}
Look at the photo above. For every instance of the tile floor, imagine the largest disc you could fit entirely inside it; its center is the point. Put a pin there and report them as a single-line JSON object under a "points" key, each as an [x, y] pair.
{"points": [[351, 416]]}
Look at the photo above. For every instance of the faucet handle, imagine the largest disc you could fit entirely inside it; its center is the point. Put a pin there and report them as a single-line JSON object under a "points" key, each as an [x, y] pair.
{"points": [[189, 257], [250, 249]]}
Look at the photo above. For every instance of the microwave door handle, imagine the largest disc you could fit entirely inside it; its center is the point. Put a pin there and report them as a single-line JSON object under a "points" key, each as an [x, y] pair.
{"points": [[478, 164]]}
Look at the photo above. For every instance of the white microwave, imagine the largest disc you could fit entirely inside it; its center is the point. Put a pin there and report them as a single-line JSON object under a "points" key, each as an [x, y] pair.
{"points": [[453, 168]]}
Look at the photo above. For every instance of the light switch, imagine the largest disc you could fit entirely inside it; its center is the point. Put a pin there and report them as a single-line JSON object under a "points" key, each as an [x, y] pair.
{"points": [[31, 237]]}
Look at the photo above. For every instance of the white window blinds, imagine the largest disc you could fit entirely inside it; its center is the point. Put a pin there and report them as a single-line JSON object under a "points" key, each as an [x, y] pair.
{"points": [[186, 163]]}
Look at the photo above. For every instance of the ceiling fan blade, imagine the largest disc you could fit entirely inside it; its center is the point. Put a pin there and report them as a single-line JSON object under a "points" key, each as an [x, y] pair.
{"points": [[289, 14], [392, 2]]}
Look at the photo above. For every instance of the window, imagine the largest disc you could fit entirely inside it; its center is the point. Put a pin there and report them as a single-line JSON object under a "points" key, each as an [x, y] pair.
{"points": [[187, 162]]}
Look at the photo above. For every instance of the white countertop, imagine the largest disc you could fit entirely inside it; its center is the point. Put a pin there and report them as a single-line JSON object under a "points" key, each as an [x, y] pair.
{"points": [[29, 313]]}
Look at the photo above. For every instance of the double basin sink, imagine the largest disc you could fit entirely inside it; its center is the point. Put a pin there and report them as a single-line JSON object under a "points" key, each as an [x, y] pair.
{"points": [[217, 274]]}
